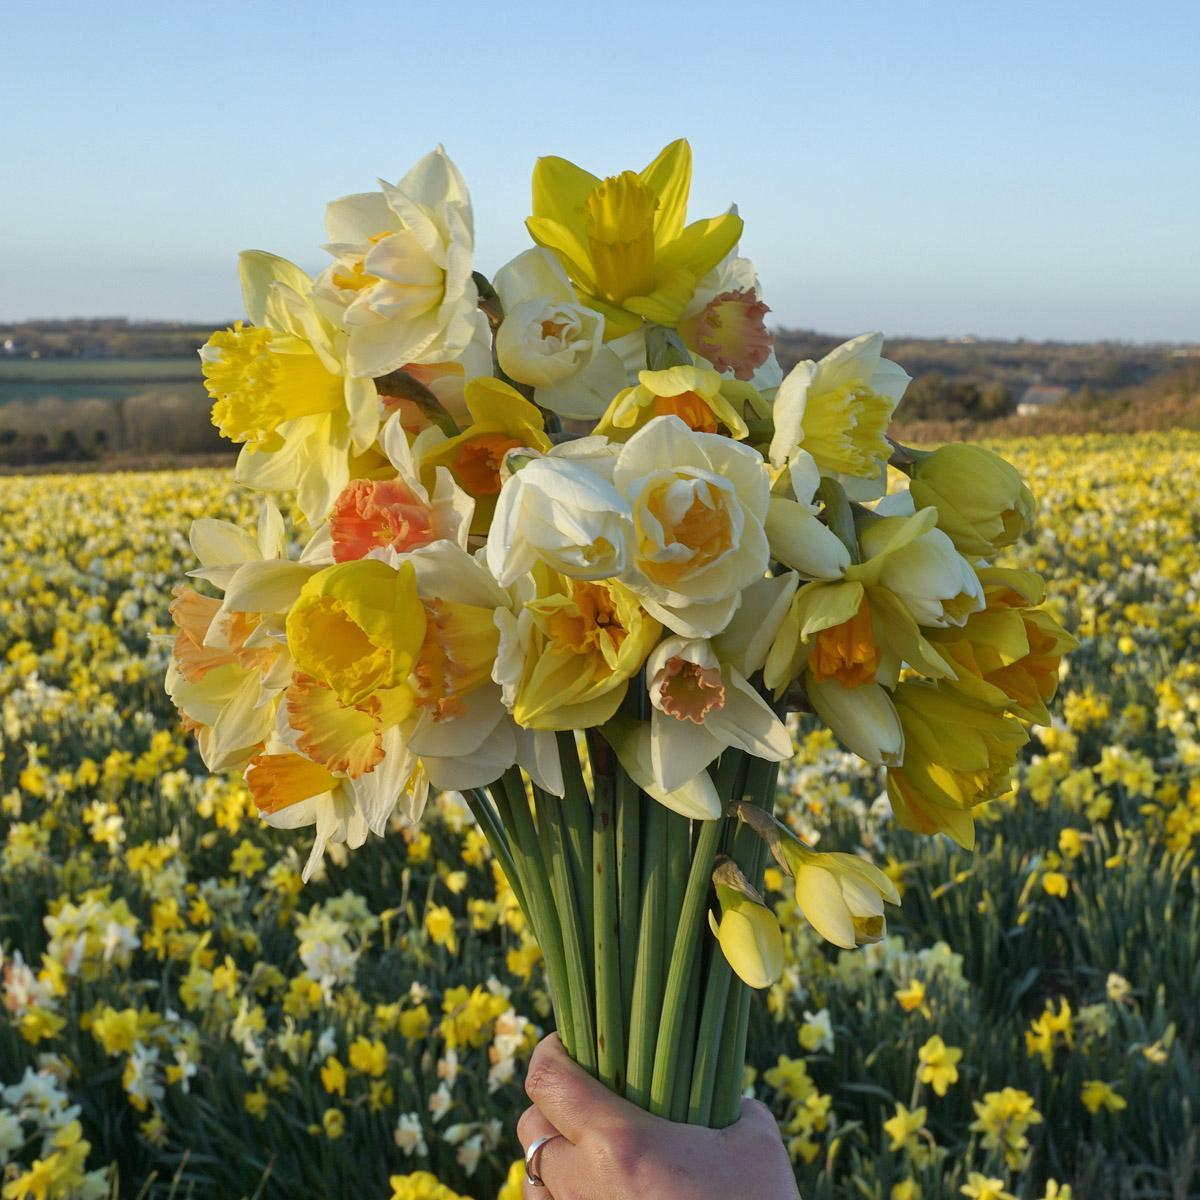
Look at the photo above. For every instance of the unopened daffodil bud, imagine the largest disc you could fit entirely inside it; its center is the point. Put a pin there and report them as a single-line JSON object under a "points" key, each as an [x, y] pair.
{"points": [[841, 895], [982, 502], [748, 932]]}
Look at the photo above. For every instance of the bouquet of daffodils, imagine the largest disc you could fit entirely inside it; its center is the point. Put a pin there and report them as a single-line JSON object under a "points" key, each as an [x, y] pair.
{"points": [[570, 543]]}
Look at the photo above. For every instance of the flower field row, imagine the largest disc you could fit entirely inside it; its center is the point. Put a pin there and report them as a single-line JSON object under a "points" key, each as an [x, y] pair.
{"points": [[181, 1015]]}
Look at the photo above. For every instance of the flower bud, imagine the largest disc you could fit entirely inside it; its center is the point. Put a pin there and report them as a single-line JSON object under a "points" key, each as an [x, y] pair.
{"points": [[981, 500]]}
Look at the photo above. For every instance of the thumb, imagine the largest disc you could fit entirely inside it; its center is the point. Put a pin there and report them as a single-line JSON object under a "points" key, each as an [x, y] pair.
{"points": [[568, 1097]]}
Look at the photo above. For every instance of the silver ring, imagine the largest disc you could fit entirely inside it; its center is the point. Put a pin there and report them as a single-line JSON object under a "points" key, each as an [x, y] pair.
{"points": [[533, 1154]]}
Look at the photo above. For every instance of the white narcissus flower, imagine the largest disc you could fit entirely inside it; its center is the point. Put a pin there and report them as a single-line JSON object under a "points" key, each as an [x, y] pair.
{"points": [[701, 707], [698, 503], [552, 342], [560, 512], [936, 583], [402, 281], [862, 718], [838, 410]]}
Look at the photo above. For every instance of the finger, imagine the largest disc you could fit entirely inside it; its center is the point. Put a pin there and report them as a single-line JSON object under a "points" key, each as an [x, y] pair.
{"points": [[553, 1167], [531, 1126], [568, 1097]]}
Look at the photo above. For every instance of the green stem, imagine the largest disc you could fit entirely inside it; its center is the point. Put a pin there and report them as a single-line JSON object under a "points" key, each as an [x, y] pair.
{"points": [[648, 976], [750, 853], [578, 971], [493, 830], [687, 932], [629, 880], [610, 1016], [683, 957], [576, 808], [686, 1057], [709, 1040], [513, 805], [731, 1060]]}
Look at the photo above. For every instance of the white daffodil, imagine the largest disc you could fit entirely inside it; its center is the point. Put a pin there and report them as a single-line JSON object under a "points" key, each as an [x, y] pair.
{"points": [[700, 707], [838, 411], [553, 343], [401, 280], [698, 502], [935, 582], [558, 511], [697, 799]]}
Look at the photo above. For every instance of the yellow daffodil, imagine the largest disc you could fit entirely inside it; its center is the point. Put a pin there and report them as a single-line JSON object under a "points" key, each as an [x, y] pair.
{"points": [[957, 755], [747, 931], [1007, 654], [938, 1064], [622, 239], [567, 653], [282, 389], [838, 411]]}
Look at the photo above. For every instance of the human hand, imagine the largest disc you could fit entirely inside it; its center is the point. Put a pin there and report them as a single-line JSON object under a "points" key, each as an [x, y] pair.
{"points": [[609, 1149]]}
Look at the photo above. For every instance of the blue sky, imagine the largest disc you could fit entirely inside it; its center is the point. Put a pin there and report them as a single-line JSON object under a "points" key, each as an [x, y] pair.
{"points": [[934, 168]]}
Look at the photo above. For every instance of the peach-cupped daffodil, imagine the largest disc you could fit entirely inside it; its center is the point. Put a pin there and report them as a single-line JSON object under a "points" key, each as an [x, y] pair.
{"points": [[838, 411], [748, 931], [696, 395], [700, 707], [229, 661], [393, 510], [554, 344], [623, 240], [292, 791], [698, 502], [501, 420], [958, 754], [283, 389], [401, 279]]}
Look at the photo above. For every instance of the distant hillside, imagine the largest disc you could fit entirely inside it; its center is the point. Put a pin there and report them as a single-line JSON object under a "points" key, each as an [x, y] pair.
{"points": [[94, 390], [103, 337]]}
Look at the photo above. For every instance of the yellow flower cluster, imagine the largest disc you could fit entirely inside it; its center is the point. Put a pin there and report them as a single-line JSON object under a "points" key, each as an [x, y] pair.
{"points": [[158, 958]]}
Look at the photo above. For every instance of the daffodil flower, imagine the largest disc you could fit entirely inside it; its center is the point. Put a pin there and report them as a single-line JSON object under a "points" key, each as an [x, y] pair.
{"points": [[623, 240], [401, 280], [553, 343], [284, 390], [701, 706], [747, 931], [838, 411]]}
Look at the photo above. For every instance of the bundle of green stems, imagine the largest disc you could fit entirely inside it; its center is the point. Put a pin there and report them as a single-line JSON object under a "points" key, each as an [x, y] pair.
{"points": [[617, 889]]}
